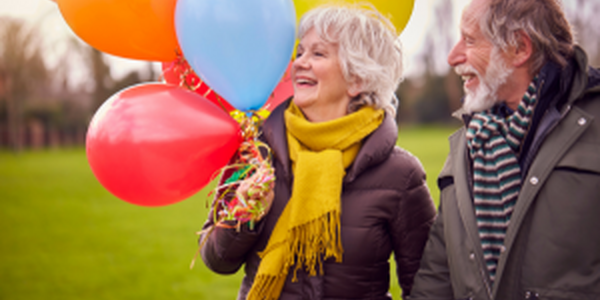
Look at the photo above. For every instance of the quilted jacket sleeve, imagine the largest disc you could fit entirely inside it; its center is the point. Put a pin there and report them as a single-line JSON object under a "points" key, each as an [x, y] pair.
{"points": [[224, 249], [415, 215]]}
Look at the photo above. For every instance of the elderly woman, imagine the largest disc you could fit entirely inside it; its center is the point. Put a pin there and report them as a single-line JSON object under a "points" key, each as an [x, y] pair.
{"points": [[346, 197]]}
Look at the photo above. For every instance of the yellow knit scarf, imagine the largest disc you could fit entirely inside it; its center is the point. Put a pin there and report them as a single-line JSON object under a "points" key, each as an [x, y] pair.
{"points": [[308, 230]]}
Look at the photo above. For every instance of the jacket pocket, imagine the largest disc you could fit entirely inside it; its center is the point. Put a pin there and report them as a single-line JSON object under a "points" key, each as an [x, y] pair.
{"points": [[583, 158]]}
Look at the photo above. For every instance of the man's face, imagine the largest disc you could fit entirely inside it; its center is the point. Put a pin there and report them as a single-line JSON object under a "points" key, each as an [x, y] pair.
{"points": [[481, 65]]}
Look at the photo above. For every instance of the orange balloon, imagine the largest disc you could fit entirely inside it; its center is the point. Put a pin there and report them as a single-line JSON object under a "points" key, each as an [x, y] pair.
{"points": [[136, 29]]}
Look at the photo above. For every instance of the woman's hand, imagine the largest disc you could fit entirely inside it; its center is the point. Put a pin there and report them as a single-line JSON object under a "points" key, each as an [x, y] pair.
{"points": [[254, 190]]}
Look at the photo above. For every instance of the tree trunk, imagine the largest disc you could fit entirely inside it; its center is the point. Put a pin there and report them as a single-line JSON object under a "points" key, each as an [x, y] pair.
{"points": [[15, 136]]}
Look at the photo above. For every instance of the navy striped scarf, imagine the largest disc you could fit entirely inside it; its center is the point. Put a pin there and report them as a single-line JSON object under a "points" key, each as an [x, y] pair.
{"points": [[494, 144]]}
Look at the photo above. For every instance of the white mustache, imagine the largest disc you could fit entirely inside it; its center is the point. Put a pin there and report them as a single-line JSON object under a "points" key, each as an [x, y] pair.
{"points": [[464, 69]]}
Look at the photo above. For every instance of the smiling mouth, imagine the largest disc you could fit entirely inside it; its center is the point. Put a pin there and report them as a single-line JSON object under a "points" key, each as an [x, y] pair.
{"points": [[467, 73], [304, 82], [468, 78]]}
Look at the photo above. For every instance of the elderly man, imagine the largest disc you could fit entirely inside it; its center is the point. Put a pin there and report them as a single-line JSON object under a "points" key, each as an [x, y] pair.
{"points": [[519, 215]]}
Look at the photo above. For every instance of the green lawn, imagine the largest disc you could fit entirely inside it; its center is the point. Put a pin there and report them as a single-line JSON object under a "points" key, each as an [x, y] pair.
{"points": [[430, 145], [65, 237]]}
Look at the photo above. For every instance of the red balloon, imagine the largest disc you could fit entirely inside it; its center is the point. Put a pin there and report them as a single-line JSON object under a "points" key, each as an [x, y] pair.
{"points": [[282, 92], [180, 73], [156, 144]]}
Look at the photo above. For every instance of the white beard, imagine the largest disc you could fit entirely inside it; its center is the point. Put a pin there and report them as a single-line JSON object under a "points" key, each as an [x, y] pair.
{"points": [[485, 96]]}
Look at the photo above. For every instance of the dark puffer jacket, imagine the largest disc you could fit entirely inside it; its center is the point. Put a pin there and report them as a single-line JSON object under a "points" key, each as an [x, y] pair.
{"points": [[386, 207]]}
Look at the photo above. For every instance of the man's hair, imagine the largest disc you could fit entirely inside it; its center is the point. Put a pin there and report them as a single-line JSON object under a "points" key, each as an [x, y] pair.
{"points": [[542, 20], [369, 50]]}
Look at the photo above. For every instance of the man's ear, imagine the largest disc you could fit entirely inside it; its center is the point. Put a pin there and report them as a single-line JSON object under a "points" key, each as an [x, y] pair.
{"points": [[523, 50], [355, 88]]}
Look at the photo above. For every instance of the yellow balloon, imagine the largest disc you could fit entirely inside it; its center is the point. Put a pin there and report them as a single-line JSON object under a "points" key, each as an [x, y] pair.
{"points": [[397, 11]]}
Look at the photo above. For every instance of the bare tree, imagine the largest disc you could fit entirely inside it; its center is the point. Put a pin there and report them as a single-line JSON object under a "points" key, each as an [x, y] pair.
{"points": [[37, 98], [432, 97], [583, 15], [24, 73], [439, 38]]}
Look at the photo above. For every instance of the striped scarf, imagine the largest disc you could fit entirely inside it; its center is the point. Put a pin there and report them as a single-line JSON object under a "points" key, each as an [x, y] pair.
{"points": [[494, 143]]}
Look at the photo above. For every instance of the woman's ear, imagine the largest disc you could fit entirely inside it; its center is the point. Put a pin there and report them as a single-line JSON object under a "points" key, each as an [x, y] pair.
{"points": [[355, 88], [523, 50]]}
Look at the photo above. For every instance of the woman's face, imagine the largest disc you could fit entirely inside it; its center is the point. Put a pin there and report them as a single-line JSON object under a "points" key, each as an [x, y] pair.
{"points": [[320, 90]]}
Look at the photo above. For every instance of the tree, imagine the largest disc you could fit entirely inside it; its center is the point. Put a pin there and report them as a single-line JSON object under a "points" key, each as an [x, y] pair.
{"points": [[103, 84], [586, 24], [433, 96], [24, 74]]}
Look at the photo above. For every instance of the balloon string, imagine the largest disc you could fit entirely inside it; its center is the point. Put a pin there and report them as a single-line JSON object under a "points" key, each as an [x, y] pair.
{"points": [[204, 235], [186, 70], [219, 99], [250, 168]]}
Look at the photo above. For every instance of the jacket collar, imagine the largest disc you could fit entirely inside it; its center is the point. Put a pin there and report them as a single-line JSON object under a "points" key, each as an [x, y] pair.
{"points": [[586, 78], [274, 134], [563, 86], [376, 147]]}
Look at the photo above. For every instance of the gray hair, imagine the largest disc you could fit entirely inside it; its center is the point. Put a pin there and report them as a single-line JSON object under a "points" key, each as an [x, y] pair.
{"points": [[369, 51], [542, 20]]}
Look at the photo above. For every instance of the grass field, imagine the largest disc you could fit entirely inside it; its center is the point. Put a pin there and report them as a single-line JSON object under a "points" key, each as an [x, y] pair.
{"points": [[65, 237]]}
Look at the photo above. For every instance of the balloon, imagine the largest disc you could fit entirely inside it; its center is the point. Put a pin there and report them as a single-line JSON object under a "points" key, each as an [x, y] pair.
{"points": [[398, 11], [136, 29], [156, 144], [179, 72], [283, 91], [239, 48], [175, 70]]}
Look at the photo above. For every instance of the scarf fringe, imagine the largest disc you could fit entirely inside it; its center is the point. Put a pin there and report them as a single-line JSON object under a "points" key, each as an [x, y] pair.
{"points": [[308, 241], [306, 244], [267, 287]]}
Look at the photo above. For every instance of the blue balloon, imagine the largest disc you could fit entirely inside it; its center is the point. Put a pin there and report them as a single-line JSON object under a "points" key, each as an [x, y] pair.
{"points": [[240, 48]]}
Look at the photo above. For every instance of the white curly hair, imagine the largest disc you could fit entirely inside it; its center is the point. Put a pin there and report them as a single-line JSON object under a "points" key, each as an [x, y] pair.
{"points": [[369, 50]]}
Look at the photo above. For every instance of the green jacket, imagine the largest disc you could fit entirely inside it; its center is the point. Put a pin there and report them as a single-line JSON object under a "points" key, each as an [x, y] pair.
{"points": [[552, 245]]}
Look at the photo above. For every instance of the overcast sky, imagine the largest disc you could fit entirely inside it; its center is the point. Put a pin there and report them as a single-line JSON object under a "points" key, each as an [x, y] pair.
{"points": [[45, 15]]}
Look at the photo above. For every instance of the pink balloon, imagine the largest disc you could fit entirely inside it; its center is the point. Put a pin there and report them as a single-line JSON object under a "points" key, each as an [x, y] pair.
{"points": [[157, 144]]}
